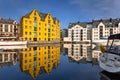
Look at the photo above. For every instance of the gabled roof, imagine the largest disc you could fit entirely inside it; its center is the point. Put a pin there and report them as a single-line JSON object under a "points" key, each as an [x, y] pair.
{"points": [[107, 22], [83, 24], [27, 15], [42, 15], [55, 19], [6, 21]]}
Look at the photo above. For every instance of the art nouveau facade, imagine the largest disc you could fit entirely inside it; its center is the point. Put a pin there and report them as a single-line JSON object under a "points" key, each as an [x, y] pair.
{"points": [[91, 31], [9, 29], [37, 26]]}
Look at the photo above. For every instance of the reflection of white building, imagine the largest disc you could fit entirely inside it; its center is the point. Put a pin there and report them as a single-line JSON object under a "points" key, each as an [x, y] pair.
{"points": [[8, 57], [82, 53], [95, 30]]}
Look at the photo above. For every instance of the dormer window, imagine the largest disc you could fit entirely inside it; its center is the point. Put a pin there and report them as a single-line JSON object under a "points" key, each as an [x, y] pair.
{"points": [[35, 18], [35, 13]]}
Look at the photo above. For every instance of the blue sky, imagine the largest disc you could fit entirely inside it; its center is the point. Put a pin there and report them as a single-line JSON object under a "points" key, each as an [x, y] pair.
{"points": [[65, 10]]}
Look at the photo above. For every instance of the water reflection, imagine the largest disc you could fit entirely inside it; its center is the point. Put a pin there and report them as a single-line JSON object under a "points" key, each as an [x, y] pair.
{"points": [[82, 53], [104, 75], [38, 60], [9, 57]]}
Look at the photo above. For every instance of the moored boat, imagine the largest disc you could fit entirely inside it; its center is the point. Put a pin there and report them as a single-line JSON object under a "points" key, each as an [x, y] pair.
{"points": [[109, 60]]}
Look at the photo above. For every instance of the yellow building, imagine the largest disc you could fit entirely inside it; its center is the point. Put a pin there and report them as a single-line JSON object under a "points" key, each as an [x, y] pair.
{"points": [[38, 60], [37, 26]]}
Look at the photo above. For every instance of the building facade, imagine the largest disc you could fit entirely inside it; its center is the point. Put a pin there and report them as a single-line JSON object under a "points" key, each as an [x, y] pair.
{"points": [[92, 31], [64, 33], [78, 32], [103, 28], [37, 26], [9, 29]]}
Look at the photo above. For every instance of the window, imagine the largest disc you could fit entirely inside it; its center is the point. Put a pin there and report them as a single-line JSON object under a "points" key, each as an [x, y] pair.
{"points": [[26, 38], [48, 25], [45, 29], [48, 30], [49, 17], [34, 48], [35, 39], [25, 26], [25, 61], [39, 28], [44, 52], [39, 23], [35, 28], [30, 22], [6, 28], [45, 24], [30, 27], [35, 34], [1, 25], [25, 55], [35, 18], [44, 57], [48, 39], [45, 34], [25, 21], [35, 24], [48, 21], [48, 35], [30, 33], [35, 13], [26, 33]]}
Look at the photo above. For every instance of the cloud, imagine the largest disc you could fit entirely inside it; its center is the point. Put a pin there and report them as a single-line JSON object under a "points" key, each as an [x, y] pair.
{"points": [[105, 8]]}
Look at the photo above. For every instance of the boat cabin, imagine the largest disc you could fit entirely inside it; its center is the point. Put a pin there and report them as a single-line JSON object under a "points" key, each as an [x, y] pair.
{"points": [[113, 44]]}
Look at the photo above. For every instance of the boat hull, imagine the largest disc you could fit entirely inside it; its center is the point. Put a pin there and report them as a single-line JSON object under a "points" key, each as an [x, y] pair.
{"points": [[108, 62]]}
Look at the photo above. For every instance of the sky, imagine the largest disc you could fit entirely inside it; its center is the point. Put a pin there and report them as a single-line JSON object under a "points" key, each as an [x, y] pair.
{"points": [[65, 10]]}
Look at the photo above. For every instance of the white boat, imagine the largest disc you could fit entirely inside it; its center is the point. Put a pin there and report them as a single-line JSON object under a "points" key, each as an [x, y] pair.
{"points": [[109, 60], [12, 43]]}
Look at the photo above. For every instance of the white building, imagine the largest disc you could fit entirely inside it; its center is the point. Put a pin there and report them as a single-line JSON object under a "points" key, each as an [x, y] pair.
{"points": [[9, 29], [77, 32], [92, 31]]}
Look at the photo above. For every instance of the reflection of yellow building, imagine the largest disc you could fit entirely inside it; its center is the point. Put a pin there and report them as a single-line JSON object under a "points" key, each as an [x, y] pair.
{"points": [[37, 26], [39, 60]]}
